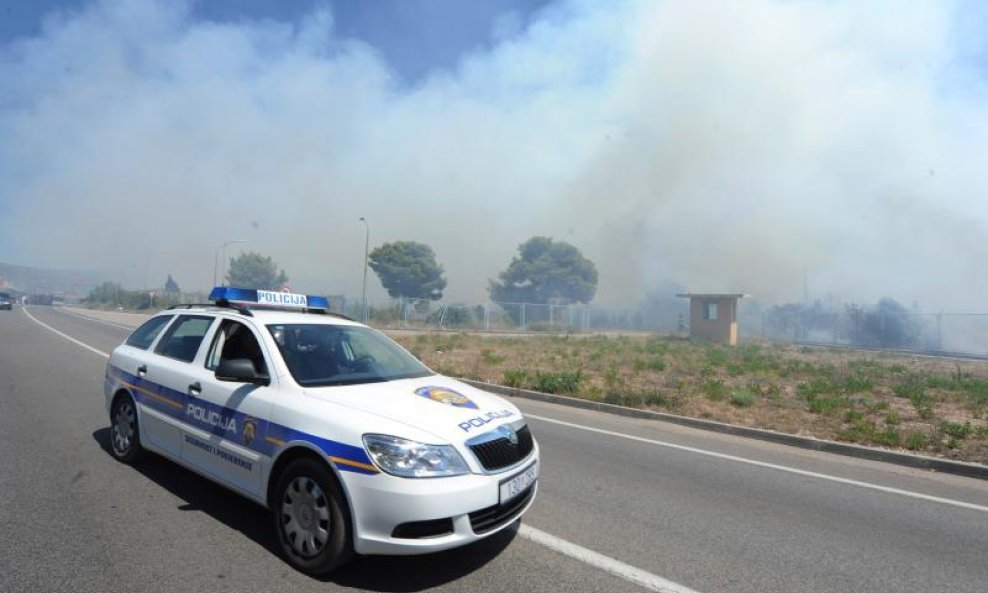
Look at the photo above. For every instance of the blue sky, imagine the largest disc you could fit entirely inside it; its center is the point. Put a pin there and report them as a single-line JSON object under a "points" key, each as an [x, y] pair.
{"points": [[414, 36]]}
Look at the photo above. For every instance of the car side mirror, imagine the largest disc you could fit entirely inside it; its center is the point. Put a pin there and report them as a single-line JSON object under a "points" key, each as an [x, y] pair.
{"points": [[240, 370]]}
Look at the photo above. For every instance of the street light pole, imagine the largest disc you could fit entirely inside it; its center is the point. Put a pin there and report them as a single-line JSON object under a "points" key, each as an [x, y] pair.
{"points": [[363, 290], [216, 258]]}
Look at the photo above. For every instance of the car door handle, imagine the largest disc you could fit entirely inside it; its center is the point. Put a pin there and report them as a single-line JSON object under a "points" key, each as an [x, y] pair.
{"points": [[195, 388], [142, 370]]}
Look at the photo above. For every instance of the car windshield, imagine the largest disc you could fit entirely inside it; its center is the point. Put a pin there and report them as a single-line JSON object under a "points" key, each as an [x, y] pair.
{"points": [[322, 355]]}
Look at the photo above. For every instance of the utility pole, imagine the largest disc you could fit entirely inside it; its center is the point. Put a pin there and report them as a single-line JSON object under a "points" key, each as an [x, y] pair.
{"points": [[216, 258], [363, 290]]}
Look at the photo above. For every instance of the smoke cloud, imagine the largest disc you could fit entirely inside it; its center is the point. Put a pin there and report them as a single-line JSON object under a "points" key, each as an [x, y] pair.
{"points": [[725, 145]]}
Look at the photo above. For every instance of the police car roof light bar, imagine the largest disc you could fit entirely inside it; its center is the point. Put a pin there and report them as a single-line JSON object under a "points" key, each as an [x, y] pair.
{"points": [[227, 295]]}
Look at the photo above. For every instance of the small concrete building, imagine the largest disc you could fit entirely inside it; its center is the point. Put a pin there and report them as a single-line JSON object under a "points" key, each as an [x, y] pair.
{"points": [[714, 316]]}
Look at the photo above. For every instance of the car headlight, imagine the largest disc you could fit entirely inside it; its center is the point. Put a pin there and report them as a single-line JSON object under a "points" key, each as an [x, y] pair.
{"points": [[411, 459]]}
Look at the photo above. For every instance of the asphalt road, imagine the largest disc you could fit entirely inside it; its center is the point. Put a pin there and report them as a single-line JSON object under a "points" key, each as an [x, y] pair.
{"points": [[710, 512]]}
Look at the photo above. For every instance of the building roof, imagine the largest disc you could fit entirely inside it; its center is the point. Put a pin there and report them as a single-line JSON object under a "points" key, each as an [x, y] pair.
{"points": [[712, 295]]}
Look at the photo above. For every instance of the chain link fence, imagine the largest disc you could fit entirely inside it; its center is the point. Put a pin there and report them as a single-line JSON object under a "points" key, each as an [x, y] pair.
{"points": [[932, 333], [868, 327], [495, 316]]}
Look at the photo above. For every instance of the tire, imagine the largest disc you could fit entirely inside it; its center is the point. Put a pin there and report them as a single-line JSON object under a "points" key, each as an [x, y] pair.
{"points": [[125, 436], [311, 521]]}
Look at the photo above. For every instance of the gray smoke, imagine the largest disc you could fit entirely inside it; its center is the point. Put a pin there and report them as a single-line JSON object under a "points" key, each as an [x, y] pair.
{"points": [[725, 145]]}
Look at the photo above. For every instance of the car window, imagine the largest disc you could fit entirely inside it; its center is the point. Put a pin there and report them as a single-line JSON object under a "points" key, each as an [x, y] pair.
{"points": [[184, 337], [320, 355], [144, 336], [236, 340], [368, 345]]}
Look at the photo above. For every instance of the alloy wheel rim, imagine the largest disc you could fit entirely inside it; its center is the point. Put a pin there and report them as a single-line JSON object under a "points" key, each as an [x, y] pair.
{"points": [[123, 428], [305, 519]]}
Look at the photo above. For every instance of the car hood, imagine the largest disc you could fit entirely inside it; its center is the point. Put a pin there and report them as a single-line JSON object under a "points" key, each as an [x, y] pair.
{"points": [[450, 410]]}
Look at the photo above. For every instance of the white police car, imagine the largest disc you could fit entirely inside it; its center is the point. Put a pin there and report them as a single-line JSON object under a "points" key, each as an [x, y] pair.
{"points": [[352, 443]]}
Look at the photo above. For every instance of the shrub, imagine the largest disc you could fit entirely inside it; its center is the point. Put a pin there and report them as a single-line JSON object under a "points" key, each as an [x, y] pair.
{"points": [[915, 441], [656, 346], [921, 401], [715, 390], [853, 416], [657, 399], [861, 431], [826, 405], [815, 387], [954, 429], [890, 436], [716, 357], [656, 364], [491, 358], [742, 398], [857, 384], [562, 382], [448, 342], [515, 377]]}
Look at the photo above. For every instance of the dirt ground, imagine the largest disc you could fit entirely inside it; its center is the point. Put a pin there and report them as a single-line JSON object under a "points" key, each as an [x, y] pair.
{"points": [[934, 406]]}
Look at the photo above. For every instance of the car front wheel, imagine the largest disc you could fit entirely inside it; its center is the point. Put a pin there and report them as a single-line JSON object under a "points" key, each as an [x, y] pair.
{"points": [[310, 519]]}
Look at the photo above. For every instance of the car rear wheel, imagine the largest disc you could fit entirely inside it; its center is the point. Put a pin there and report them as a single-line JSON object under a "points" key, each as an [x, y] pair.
{"points": [[125, 439], [310, 519]]}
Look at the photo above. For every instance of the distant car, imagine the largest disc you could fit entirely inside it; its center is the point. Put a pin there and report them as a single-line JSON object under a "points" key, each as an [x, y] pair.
{"points": [[5, 301], [352, 442]]}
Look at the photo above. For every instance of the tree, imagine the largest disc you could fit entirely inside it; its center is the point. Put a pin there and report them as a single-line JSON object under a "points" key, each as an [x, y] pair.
{"points": [[106, 293], [887, 325], [253, 270], [171, 287], [546, 271], [408, 269]]}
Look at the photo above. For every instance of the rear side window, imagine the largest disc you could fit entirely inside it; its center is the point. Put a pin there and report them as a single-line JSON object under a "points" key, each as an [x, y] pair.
{"points": [[144, 336], [184, 337]]}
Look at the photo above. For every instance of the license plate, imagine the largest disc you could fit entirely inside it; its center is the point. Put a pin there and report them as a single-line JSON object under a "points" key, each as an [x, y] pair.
{"points": [[519, 483]]}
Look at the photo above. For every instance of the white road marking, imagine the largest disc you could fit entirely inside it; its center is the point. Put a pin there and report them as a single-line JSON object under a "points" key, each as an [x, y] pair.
{"points": [[94, 319], [617, 568], [784, 468], [66, 336]]}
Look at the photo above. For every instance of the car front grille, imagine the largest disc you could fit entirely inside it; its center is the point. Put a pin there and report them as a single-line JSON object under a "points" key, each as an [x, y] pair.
{"points": [[500, 452], [493, 517]]}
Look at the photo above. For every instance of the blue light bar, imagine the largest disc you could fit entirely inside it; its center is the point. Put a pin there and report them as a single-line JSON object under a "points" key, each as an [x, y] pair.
{"points": [[268, 298], [228, 293]]}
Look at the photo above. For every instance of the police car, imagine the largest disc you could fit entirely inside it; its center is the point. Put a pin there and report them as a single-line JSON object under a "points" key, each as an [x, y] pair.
{"points": [[354, 445]]}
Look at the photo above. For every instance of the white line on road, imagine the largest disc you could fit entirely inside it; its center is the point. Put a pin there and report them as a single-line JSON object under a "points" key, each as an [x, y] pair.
{"points": [[65, 311], [66, 336], [627, 572], [615, 567], [784, 468]]}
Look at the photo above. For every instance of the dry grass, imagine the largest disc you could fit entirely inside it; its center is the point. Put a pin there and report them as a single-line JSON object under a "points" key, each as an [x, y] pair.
{"points": [[933, 406]]}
